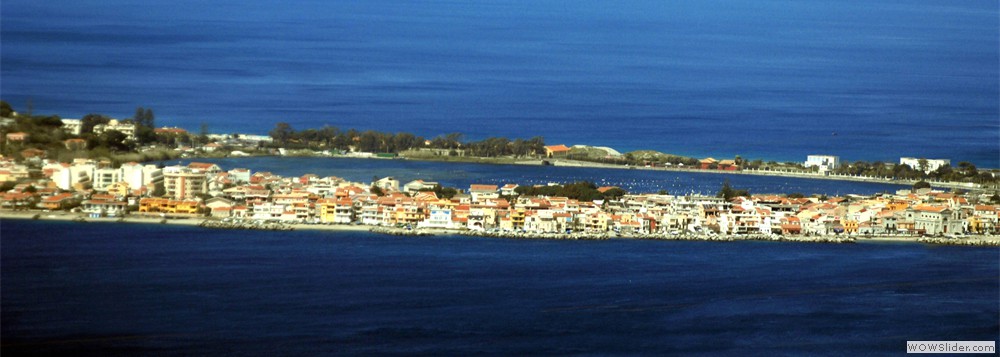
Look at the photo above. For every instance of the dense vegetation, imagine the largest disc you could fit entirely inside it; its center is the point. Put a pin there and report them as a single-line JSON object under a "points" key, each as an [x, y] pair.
{"points": [[45, 132], [332, 138], [727, 192]]}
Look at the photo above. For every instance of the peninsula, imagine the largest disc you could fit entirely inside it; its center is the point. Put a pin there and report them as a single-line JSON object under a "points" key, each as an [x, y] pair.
{"points": [[92, 169]]}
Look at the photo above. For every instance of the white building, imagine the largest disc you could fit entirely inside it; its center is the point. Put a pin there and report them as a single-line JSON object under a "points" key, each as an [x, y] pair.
{"points": [[417, 185], [387, 184], [268, 211], [105, 177], [72, 126], [138, 175], [240, 175], [824, 162], [439, 218], [932, 164], [125, 128]]}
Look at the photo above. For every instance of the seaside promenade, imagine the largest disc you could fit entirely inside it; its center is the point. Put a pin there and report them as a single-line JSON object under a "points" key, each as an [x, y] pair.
{"points": [[210, 223]]}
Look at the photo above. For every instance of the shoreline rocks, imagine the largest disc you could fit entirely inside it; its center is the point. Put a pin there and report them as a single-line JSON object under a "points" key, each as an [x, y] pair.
{"points": [[252, 225]]}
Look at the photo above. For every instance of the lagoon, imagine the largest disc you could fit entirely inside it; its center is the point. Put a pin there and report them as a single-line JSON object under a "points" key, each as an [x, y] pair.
{"points": [[461, 175]]}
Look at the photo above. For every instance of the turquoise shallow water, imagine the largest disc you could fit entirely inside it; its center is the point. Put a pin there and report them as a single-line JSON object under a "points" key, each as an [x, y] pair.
{"points": [[114, 289], [765, 79]]}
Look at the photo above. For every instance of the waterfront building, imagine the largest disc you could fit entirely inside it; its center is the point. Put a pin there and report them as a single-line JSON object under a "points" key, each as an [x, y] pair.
{"points": [[931, 164], [267, 211], [104, 207], [60, 201], [139, 175], [182, 183], [707, 163], [825, 163], [556, 150], [332, 210], [105, 177], [438, 218], [933, 220]]}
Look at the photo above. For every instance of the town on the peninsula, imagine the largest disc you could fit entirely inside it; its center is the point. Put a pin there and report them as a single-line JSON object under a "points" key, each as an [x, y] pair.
{"points": [[75, 169]]}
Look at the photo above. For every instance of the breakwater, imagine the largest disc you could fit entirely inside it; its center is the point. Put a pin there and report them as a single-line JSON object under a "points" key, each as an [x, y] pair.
{"points": [[252, 225], [976, 241], [608, 235]]}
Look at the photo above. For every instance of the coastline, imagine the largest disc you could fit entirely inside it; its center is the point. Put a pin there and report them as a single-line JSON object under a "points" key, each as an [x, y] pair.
{"points": [[978, 241], [562, 162], [802, 175]]}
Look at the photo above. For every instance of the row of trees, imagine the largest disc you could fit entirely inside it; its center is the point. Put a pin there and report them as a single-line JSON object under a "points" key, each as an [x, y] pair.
{"points": [[329, 137], [964, 172]]}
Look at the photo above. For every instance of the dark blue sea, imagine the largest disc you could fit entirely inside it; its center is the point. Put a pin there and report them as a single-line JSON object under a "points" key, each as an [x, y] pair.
{"points": [[107, 289], [461, 175], [772, 79]]}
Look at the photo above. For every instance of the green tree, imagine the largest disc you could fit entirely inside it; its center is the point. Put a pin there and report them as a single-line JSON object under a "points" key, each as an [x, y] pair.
{"points": [[115, 140], [968, 169], [921, 184], [5, 109], [727, 192], [159, 189], [203, 133], [140, 117], [922, 164], [281, 133], [614, 193], [88, 122]]}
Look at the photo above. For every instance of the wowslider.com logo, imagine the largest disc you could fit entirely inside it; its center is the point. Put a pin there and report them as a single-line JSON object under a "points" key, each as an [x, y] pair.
{"points": [[951, 347]]}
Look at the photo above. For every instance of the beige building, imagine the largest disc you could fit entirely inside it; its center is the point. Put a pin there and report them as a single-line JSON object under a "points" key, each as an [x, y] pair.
{"points": [[125, 128], [182, 183]]}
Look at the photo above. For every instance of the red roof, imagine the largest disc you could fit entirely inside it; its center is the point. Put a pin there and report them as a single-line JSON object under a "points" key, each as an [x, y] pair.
{"points": [[474, 187], [200, 165], [557, 148]]}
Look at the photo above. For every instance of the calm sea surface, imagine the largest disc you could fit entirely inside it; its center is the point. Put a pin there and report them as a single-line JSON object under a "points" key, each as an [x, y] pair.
{"points": [[772, 78], [461, 175], [118, 289]]}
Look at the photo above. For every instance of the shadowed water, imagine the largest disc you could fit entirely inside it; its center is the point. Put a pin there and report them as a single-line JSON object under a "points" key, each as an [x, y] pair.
{"points": [[127, 289]]}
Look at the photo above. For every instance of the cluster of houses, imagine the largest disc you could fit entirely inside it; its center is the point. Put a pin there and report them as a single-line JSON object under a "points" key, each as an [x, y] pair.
{"points": [[204, 189]]}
